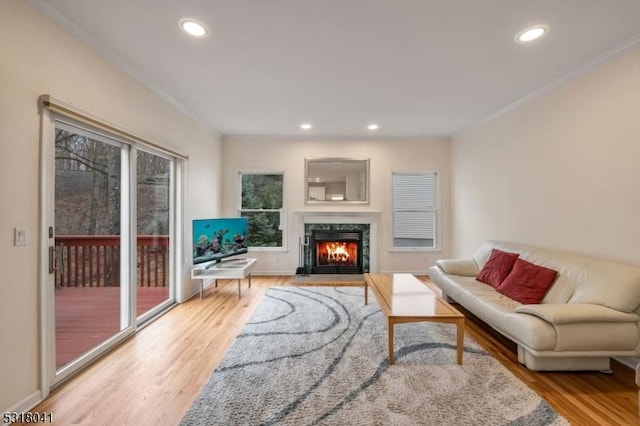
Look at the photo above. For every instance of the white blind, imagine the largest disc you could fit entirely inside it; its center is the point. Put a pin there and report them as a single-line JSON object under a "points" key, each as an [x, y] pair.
{"points": [[414, 191], [414, 207], [420, 225]]}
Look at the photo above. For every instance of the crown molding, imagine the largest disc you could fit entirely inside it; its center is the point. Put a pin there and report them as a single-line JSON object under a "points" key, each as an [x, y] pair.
{"points": [[583, 69], [112, 57]]}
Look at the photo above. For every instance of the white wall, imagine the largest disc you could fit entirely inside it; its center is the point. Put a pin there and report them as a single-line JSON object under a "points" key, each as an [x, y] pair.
{"points": [[561, 171], [288, 154], [38, 57]]}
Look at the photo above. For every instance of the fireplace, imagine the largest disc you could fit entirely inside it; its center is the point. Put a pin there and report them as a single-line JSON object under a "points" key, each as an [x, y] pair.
{"points": [[336, 252]]}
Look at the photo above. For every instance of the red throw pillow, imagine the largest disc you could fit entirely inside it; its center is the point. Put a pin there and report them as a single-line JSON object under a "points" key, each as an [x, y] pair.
{"points": [[497, 267], [527, 283]]}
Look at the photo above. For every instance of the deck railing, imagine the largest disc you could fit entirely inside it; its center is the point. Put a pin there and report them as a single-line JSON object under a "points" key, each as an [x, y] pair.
{"points": [[94, 261]]}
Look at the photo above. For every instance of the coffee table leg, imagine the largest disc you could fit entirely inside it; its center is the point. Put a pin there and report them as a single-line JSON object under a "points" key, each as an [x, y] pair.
{"points": [[239, 283], [460, 328], [390, 325], [366, 294]]}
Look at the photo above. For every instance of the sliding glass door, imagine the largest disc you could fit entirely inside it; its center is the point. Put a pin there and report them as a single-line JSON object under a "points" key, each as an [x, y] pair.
{"points": [[91, 283], [110, 241], [153, 206]]}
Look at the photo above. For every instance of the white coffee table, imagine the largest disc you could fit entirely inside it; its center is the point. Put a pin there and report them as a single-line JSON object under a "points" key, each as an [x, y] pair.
{"points": [[227, 269]]}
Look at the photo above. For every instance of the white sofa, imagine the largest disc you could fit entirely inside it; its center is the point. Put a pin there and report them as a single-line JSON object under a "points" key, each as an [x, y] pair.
{"points": [[589, 314]]}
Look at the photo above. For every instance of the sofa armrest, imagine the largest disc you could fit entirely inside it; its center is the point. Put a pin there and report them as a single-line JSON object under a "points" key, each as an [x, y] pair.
{"points": [[567, 313], [464, 267]]}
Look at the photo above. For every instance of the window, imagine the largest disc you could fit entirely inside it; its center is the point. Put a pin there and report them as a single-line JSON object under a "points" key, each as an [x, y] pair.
{"points": [[414, 210], [262, 204]]}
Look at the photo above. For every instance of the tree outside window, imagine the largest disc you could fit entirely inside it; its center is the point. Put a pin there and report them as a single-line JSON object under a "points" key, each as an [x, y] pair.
{"points": [[262, 204]]}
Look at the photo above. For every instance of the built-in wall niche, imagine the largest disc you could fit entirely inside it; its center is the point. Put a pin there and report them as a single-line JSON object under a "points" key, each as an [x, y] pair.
{"points": [[336, 180]]}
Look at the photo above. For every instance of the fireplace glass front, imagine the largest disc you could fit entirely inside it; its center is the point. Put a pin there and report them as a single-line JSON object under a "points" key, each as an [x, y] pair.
{"points": [[336, 252]]}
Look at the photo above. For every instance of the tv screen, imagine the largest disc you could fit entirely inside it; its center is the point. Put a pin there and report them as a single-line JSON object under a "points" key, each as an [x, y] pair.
{"points": [[215, 239]]}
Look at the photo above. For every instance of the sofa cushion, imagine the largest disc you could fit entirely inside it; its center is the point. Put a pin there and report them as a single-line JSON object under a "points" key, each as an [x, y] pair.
{"points": [[611, 284], [497, 267], [527, 283], [464, 267], [564, 313]]}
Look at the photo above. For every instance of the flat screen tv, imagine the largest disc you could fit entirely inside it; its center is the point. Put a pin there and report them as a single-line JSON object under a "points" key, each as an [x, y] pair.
{"points": [[215, 239]]}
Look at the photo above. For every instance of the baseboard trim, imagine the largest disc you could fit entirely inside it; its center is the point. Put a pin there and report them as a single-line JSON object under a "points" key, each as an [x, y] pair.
{"points": [[25, 405]]}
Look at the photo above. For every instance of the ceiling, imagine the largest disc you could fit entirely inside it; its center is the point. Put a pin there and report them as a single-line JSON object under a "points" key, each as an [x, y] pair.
{"points": [[415, 67]]}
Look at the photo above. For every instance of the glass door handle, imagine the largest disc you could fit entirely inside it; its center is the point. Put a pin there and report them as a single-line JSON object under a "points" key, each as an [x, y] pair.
{"points": [[52, 259]]}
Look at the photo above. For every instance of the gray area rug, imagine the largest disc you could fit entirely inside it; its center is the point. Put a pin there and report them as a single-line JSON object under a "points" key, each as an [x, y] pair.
{"points": [[317, 355]]}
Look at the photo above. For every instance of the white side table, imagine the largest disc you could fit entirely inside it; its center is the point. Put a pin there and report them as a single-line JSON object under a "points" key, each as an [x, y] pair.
{"points": [[227, 269]]}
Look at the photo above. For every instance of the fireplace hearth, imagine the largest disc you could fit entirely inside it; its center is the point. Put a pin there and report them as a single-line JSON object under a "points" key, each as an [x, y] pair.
{"points": [[336, 252]]}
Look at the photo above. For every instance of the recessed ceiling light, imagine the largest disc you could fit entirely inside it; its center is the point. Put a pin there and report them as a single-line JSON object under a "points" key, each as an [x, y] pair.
{"points": [[532, 33], [305, 126], [193, 28], [373, 127]]}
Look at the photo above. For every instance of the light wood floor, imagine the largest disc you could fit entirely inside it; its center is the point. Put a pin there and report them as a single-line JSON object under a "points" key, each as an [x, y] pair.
{"points": [[153, 378]]}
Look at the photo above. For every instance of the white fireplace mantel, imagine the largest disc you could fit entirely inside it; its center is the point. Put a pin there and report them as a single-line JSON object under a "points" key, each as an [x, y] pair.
{"points": [[337, 216]]}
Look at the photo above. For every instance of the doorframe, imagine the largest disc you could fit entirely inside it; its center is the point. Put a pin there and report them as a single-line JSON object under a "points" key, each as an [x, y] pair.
{"points": [[47, 317], [50, 108]]}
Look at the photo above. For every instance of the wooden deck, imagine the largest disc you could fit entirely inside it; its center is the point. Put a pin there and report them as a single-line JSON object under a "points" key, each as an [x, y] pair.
{"points": [[87, 316]]}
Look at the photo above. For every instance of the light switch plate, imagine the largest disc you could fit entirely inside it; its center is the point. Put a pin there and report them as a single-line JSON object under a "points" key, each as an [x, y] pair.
{"points": [[19, 237]]}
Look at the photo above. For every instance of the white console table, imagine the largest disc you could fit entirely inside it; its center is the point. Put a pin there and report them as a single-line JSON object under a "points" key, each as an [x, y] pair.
{"points": [[227, 269]]}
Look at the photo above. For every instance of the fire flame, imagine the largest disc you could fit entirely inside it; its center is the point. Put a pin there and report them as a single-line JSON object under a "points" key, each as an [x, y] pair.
{"points": [[337, 252]]}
